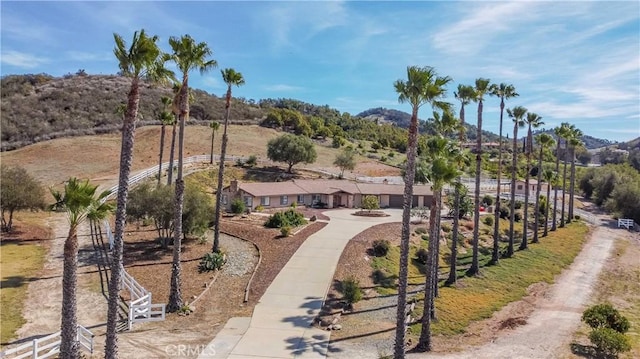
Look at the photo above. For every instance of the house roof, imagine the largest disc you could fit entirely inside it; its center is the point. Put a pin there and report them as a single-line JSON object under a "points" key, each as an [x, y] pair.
{"points": [[296, 187]]}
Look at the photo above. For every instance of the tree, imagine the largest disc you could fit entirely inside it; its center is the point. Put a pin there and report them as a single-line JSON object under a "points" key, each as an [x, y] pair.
{"points": [[142, 60], [79, 201], [545, 141], [481, 89], [291, 149], [560, 133], [517, 115], [345, 160], [565, 133], [166, 118], [175, 111], [423, 85], [504, 92], [532, 121], [370, 203], [18, 191], [214, 125], [231, 78], [464, 94], [550, 176], [188, 56], [574, 142]]}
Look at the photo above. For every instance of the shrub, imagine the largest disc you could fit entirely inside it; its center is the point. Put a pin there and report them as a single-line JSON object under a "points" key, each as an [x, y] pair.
{"points": [[240, 162], [251, 161], [259, 208], [211, 261], [289, 218], [488, 200], [609, 341], [238, 206], [425, 237], [577, 217], [504, 213], [421, 255], [383, 159], [518, 205], [446, 228], [294, 205], [285, 231], [605, 316], [370, 203], [381, 247], [517, 216], [488, 220], [421, 230], [351, 290]]}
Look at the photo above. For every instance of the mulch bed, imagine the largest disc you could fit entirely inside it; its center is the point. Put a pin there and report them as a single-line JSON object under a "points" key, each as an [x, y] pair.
{"points": [[307, 212]]}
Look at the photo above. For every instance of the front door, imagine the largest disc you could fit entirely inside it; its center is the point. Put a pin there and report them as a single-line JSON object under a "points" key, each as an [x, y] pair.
{"points": [[337, 201]]}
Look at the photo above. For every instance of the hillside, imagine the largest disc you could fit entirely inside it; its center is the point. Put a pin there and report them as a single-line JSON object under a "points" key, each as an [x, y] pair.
{"points": [[590, 142]]}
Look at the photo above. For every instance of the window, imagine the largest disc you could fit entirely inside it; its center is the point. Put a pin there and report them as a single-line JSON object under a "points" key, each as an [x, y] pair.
{"points": [[519, 186], [248, 201], [284, 200], [225, 200], [264, 201], [300, 199], [316, 199]]}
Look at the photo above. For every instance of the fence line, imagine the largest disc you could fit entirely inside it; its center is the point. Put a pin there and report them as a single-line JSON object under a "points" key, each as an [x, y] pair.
{"points": [[50, 345]]}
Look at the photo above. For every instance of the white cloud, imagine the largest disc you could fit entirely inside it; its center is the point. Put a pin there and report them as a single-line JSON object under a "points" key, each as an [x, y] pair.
{"points": [[283, 88], [88, 56], [22, 59], [212, 82]]}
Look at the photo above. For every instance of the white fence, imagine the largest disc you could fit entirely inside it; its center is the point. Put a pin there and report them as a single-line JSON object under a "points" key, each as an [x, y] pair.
{"points": [[49, 346], [142, 310], [626, 223]]}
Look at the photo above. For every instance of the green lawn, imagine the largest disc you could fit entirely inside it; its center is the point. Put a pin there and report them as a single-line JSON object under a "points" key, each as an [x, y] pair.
{"points": [[18, 262]]}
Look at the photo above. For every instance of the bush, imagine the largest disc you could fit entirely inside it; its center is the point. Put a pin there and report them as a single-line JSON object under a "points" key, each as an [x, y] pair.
{"points": [[504, 213], [381, 247], [259, 208], [289, 218], [251, 161], [370, 203], [294, 205], [518, 205], [487, 200], [605, 316], [577, 217], [238, 206], [421, 255], [421, 230], [425, 237], [488, 220], [609, 341], [383, 159], [517, 217], [446, 228], [285, 231], [211, 261], [239, 162], [351, 290]]}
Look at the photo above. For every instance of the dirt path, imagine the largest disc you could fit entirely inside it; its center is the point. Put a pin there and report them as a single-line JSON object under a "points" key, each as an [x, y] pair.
{"points": [[557, 316], [44, 295]]}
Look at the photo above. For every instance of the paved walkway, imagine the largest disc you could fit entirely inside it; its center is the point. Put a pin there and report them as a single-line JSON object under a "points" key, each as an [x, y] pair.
{"points": [[281, 323]]}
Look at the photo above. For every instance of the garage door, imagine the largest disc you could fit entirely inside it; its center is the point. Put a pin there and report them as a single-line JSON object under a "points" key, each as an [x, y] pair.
{"points": [[395, 201]]}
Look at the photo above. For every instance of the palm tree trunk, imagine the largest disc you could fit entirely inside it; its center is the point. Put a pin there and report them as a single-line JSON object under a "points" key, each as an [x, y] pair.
{"points": [[495, 256], [546, 212], [525, 217], [175, 296], [424, 342], [213, 135], [555, 190], [537, 207], [572, 181], [405, 236], [223, 153], [162, 132], [171, 153], [475, 267], [69, 348], [512, 210], [453, 277], [126, 157], [564, 187]]}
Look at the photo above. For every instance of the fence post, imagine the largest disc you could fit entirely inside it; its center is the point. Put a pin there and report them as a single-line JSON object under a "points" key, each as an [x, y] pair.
{"points": [[35, 349]]}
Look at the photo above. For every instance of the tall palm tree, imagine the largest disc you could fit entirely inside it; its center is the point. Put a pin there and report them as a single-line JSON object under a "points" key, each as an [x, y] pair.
{"points": [[166, 118], [504, 92], [481, 89], [79, 201], [532, 121], [142, 59], [574, 142], [214, 125], [423, 86], [231, 78], [566, 135], [545, 141], [517, 115], [550, 176], [175, 111], [464, 94], [560, 133], [188, 56]]}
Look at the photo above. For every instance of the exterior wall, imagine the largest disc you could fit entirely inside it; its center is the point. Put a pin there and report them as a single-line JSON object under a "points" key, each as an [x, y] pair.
{"points": [[520, 188], [383, 200]]}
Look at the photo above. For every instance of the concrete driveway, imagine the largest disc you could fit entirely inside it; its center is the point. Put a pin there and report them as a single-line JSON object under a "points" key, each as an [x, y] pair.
{"points": [[281, 323]]}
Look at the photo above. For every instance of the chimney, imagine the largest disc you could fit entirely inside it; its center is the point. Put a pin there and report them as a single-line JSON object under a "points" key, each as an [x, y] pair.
{"points": [[234, 186], [385, 181]]}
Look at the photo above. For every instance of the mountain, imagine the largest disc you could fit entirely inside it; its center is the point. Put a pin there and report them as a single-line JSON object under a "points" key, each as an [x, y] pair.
{"points": [[590, 142]]}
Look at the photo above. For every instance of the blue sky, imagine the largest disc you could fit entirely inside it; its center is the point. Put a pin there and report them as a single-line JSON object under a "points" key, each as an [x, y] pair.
{"points": [[576, 62]]}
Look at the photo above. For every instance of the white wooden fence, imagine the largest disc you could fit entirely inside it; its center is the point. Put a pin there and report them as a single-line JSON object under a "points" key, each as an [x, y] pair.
{"points": [[626, 223], [49, 346]]}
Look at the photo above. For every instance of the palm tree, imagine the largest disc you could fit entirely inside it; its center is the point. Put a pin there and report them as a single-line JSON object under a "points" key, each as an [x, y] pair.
{"points": [[175, 111], [464, 94], [532, 121], [566, 135], [517, 115], [574, 141], [214, 125], [503, 91], [550, 176], [545, 141], [188, 56], [560, 134], [481, 89], [143, 59], [423, 85], [79, 201], [231, 78], [166, 118]]}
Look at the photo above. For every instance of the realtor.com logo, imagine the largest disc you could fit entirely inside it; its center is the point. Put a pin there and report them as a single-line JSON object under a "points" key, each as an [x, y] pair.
{"points": [[188, 350]]}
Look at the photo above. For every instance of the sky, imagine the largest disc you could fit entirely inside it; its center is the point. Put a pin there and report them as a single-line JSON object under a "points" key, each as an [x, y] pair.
{"points": [[576, 62]]}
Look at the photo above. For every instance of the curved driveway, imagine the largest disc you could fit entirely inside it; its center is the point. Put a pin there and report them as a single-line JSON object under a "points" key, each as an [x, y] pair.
{"points": [[281, 323]]}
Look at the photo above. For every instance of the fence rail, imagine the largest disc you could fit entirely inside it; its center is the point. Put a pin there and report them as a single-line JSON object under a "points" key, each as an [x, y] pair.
{"points": [[48, 346]]}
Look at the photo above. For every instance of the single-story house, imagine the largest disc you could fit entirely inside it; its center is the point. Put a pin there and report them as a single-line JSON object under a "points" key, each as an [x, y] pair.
{"points": [[533, 187], [322, 193]]}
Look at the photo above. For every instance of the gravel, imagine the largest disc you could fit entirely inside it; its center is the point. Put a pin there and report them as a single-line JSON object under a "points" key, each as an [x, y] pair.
{"points": [[242, 255]]}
